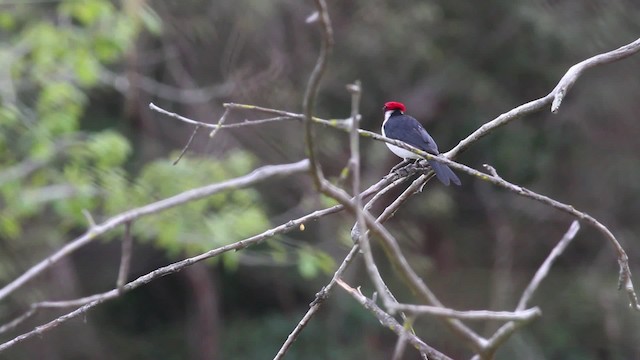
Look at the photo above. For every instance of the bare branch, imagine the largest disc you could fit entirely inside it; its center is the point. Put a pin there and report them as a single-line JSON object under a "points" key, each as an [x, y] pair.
{"points": [[90, 221], [321, 296], [311, 91], [519, 315], [125, 257], [17, 321], [246, 122], [254, 177], [576, 70], [556, 95], [94, 300], [186, 147], [406, 272], [543, 270], [623, 260], [506, 330], [156, 108], [223, 118], [389, 322], [401, 344]]}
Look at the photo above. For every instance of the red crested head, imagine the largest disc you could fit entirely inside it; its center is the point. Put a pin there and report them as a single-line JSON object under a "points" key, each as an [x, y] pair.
{"points": [[394, 105]]}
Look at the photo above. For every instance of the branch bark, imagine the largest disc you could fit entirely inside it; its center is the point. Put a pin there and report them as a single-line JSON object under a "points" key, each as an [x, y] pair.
{"points": [[93, 232]]}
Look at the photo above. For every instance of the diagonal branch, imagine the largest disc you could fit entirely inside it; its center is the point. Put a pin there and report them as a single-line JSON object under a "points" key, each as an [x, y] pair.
{"points": [[389, 322], [555, 96], [254, 177], [311, 91], [576, 70], [96, 299], [321, 296], [506, 330]]}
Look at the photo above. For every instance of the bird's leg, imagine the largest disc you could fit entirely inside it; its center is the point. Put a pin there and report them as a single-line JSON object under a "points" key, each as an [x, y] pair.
{"points": [[405, 168], [401, 164]]}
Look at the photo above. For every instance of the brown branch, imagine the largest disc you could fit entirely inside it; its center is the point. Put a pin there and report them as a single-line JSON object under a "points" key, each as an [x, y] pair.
{"points": [[93, 232], [554, 97], [311, 92], [518, 315], [400, 263], [96, 299], [221, 121], [574, 72], [125, 256], [506, 330], [623, 259], [156, 108], [389, 322], [186, 147], [543, 270], [321, 296], [248, 122]]}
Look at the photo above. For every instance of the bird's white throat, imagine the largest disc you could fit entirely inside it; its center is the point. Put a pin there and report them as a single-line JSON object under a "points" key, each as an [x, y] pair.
{"points": [[387, 114], [398, 151]]}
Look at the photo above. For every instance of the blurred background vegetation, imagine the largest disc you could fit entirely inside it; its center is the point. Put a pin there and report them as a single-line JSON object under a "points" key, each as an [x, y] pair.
{"points": [[76, 78]]}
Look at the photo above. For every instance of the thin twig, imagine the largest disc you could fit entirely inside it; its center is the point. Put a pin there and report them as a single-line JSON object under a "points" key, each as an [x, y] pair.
{"points": [[555, 96], [317, 303], [248, 122], [576, 70], [156, 108], [543, 270], [223, 118], [184, 149], [90, 221], [389, 322], [17, 321], [506, 330], [400, 263], [311, 92], [164, 271], [518, 315], [401, 345], [623, 260], [125, 256]]}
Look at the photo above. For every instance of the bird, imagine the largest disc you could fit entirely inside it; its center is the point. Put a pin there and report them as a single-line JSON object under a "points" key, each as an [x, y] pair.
{"points": [[398, 126]]}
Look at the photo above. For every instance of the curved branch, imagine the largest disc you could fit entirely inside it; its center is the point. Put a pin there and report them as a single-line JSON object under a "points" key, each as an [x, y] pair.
{"points": [[555, 97], [311, 91], [576, 70], [392, 324]]}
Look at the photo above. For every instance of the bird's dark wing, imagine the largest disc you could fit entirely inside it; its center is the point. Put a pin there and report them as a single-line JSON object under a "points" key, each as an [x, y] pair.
{"points": [[410, 131]]}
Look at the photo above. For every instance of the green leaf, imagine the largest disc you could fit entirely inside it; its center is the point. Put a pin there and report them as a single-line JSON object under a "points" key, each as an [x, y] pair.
{"points": [[109, 149], [7, 22], [87, 12], [87, 68]]}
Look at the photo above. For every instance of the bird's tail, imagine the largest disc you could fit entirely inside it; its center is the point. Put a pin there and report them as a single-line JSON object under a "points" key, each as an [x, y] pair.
{"points": [[444, 173]]}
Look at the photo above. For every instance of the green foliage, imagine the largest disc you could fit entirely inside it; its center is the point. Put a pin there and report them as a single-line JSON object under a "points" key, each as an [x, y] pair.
{"points": [[51, 170], [199, 225], [71, 171]]}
